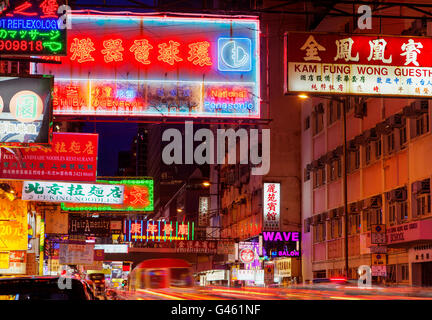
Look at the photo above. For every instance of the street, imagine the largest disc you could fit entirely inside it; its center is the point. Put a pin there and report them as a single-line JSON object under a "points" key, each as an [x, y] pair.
{"points": [[299, 293]]}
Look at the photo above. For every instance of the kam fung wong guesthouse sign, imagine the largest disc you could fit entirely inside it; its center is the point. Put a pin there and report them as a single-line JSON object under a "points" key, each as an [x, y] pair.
{"points": [[72, 192], [158, 66], [358, 64]]}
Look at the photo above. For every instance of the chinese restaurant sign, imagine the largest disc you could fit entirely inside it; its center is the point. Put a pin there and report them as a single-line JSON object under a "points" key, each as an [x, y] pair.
{"points": [[144, 230], [89, 226], [271, 206], [138, 196], [73, 157], [159, 66], [25, 109], [13, 225], [72, 192], [31, 28], [359, 64]]}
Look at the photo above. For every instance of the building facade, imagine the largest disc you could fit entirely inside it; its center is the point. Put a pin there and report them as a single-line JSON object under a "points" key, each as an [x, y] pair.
{"points": [[388, 182]]}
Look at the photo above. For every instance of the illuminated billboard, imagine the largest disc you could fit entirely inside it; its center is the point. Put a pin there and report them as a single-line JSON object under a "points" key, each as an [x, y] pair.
{"points": [[30, 27], [358, 64], [13, 225], [25, 110], [151, 230], [159, 66], [72, 157], [138, 196], [72, 192], [271, 206]]}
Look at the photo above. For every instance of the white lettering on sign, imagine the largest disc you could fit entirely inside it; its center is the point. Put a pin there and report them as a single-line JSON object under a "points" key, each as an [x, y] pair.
{"points": [[344, 48]]}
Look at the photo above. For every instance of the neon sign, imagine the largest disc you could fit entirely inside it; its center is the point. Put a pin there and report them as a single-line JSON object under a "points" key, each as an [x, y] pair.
{"points": [[31, 28], [271, 206], [281, 244], [138, 196], [140, 230], [193, 67]]}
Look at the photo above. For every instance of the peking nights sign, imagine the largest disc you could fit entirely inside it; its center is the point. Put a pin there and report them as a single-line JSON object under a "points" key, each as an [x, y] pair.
{"points": [[358, 64], [138, 196], [158, 66], [72, 192], [72, 157]]}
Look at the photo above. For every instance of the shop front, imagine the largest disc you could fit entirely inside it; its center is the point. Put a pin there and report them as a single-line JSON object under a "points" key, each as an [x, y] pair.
{"points": [[410, 253], [287, 270]]}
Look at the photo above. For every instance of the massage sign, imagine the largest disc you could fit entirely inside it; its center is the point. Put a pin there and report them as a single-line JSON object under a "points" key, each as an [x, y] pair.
{"points": [[358, 64], [33, 28]]}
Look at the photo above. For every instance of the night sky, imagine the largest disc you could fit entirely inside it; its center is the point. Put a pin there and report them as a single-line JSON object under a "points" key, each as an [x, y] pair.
{"points": [[113, 137]]}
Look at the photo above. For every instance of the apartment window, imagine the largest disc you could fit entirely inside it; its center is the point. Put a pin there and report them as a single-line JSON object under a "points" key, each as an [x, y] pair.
{"points": [[320, 232], [317, 122], [378, 150], [354, 224], [423, 204], [353, 160], [333, 111], [403, 216], [307, 122], [336, 228], [368, 150], [373, 216], [335, 169], [392, 213], [306, 175], [307, 226], [319, 177], [390, 143], [402, 136], [420, 125], [404, 272], [333, 229]]}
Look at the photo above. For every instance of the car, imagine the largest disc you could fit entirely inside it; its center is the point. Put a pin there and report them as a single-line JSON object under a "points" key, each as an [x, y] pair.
{"points": [[43, 288], [97, 283]]}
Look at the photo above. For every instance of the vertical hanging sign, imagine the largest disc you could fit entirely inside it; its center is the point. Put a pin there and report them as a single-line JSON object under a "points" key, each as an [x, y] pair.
{"points": [[271, 206]]}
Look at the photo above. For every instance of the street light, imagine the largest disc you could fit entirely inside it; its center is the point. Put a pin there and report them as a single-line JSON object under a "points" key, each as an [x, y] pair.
{"points": [[206, 184]]}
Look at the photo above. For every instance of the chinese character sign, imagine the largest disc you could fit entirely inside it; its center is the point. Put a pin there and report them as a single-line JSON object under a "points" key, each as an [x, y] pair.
{"points": [[138, 196], [13, 225], [203, 211], [30, 27], [168, 67], [358, 64], [271, 206], [72, 192], [25, 109], [144, 230], [71, 157]]}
